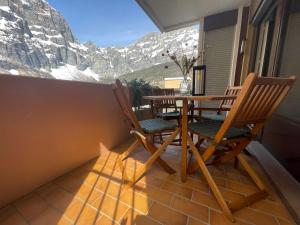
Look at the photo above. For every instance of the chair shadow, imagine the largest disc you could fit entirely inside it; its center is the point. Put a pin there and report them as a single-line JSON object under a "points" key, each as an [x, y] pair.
{"points": [[110, 172], [70, 198]]}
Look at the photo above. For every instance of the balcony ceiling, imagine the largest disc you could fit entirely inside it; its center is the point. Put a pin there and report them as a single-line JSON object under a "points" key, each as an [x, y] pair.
{"points": [[169, 15]]}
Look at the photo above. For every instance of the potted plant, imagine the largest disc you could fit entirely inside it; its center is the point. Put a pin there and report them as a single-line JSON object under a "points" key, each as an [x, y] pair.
{"points": [[138, 88]]}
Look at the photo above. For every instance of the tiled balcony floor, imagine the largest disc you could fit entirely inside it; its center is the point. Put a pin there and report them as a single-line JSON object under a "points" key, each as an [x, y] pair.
{"points": [[93, 194]]}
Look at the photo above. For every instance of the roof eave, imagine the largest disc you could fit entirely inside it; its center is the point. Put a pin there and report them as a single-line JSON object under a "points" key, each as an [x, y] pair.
{"points": [[151, 14]]}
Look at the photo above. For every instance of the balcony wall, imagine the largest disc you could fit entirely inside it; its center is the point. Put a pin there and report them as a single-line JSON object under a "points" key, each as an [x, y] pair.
{"points": [[48, 127]]}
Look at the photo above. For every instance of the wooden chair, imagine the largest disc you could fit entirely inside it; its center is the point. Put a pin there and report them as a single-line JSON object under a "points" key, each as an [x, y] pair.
{"points": [[218, 115], [225, 105], [167, 108], [258, 99], [143, 130]]}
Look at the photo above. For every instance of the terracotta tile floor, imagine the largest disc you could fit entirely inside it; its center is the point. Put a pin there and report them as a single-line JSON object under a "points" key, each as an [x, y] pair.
{"points": [[94, 194]]}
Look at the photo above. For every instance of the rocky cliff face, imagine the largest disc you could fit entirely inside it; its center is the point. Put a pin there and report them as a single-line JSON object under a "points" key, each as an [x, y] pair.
{"points": [[36, 40]]}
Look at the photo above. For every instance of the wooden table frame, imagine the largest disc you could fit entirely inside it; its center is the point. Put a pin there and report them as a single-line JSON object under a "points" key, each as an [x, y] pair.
{"points": [[184, 120]]}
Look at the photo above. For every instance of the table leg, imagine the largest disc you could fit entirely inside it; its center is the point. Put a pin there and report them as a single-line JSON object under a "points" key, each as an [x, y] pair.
{"points": [[184, 140]]}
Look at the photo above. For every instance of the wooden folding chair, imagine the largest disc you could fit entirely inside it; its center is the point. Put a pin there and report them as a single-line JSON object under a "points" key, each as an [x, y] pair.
{"points": [[143, 130], [255, 104], [225, 105], [167, 108]]}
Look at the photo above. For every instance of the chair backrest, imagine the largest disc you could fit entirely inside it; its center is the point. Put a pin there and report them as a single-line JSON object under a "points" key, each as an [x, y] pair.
{"points": [[123, 100], [257, 101], [227, 104], [166, 103]]}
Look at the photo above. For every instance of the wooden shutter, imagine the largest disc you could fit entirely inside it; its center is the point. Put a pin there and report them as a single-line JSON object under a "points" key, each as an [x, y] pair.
{"points": [[218, 60]]}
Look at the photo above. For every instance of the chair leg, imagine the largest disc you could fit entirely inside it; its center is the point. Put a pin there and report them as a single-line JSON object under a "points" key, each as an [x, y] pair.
{"points": [[255, 197], [179, 125], [190, 163], [231, 207], [125, 155], [153, 158], [123, 170], [161, 138], [220, 199], [232, 154], [131, 148], [153, 138], [194, 166], [200, 140], [152, 149], [252, 173]]}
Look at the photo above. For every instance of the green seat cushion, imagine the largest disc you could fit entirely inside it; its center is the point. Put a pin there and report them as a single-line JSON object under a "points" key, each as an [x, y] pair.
{"points": [[213, 116], [209, 128], [156, 125], [174, 114]]}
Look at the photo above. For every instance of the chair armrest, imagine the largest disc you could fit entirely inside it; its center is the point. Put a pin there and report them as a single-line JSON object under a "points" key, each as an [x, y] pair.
{"points": [[137, 133]]}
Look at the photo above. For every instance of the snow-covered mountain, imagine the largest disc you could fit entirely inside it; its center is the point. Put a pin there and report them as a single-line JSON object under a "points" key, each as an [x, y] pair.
{"points": [[36, 40]]}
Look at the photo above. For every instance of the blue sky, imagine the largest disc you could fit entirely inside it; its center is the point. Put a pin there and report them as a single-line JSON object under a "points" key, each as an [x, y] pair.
{"points": [[105, 22]]}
